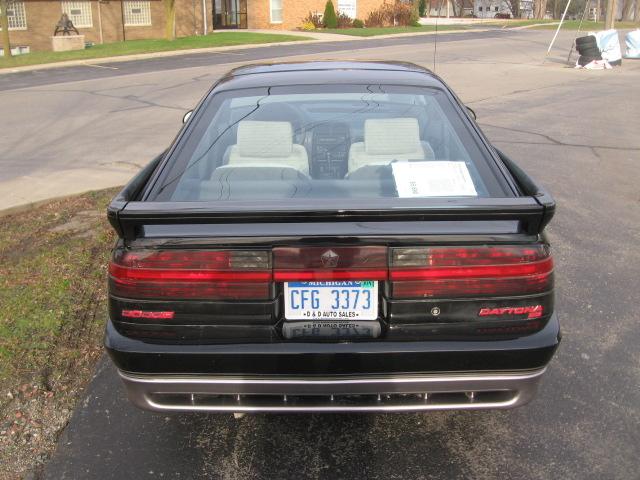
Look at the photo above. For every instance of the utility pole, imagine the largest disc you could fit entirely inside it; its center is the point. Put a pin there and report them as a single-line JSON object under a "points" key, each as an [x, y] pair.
{"points": [[610, 14]]}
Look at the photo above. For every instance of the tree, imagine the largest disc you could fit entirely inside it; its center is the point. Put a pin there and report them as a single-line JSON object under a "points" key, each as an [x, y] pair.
{"points": [[636, 15], [330, 19], [456, 7], [557, 9], [539, 9], [514, 8], [610, 14], [422, 8], [415, 13], [4, 24], [576, 8], [627, 8], [170, 19]]}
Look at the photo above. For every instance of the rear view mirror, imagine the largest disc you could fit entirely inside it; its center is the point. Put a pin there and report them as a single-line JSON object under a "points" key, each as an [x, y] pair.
{"points": [[472, 112], [187, 116]]}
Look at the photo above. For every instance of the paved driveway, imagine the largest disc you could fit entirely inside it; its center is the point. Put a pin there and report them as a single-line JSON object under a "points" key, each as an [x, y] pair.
{"points": [[575, 131]]}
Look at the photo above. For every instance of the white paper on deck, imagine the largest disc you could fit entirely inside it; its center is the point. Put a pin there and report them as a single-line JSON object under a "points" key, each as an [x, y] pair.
{"points": [[433, 179]]}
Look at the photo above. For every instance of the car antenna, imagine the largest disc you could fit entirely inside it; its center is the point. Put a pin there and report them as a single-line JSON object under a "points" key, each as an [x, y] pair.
{"points": [[435, 41]]}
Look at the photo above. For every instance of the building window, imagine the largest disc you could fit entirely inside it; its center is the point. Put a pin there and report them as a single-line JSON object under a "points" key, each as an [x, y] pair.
{"points": [[79, 13], [17, 16], [496, 9], [137, 13], [479, 9], [276, 11]]}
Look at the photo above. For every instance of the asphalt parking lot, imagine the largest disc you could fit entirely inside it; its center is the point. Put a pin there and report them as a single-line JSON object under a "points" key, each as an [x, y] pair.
{"points": [[576, 132]]}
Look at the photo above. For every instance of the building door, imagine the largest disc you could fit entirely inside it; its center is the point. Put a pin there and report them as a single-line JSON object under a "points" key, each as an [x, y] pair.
{"points": [[229, 14]]}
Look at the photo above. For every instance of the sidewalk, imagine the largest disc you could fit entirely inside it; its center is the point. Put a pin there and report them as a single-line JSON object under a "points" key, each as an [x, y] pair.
{"points": [[24, 192]]}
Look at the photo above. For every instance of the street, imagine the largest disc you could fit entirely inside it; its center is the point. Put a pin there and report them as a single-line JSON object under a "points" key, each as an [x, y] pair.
{"points": [[574, 131], [96, 125]]}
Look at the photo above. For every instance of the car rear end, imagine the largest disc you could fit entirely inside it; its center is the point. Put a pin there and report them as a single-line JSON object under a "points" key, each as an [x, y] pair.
{"points": [[308, 301]]}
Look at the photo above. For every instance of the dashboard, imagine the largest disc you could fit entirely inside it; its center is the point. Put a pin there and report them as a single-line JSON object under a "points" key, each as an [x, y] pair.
{"points": [[329, 147]]}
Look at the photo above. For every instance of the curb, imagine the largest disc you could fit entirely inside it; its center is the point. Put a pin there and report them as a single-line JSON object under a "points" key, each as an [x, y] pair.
{"points": [[194, 51], [145, 56], [27, 207], [534, 25]]}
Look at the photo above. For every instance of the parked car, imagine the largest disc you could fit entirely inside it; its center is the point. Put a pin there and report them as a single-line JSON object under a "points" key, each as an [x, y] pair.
{"points": [[331, 236], [503, 15]]}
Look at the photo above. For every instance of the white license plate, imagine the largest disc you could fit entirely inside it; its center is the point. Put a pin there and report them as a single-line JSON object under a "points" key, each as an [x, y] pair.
{"points": [[347, 300]]}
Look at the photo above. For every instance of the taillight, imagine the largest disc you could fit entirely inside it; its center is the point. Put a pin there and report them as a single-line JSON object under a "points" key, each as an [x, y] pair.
{"points": [[202, 274], [470, 271], [325, 264], [416, 272]]}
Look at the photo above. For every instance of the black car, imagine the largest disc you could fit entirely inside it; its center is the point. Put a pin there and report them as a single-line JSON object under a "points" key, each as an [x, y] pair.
{"points": [[331, 236]]}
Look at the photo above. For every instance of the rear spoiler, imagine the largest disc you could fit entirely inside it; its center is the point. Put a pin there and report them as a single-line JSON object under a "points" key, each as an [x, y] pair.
{"points": [[531, 188], [130, 191], [128, 215]]}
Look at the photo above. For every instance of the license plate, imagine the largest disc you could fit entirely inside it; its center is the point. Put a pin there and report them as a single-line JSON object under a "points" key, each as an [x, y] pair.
{"points": [[348, 300]]}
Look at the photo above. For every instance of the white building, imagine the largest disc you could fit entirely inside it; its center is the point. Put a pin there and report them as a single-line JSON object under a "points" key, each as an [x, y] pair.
{"points": [[489, 8]]}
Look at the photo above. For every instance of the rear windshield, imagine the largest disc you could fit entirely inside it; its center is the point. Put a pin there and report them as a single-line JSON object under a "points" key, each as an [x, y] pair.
{"points": [[328, 142]]}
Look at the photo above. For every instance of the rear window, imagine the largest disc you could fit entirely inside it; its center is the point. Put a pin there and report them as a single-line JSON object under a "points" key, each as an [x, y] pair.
{"points": [[328, 142]]}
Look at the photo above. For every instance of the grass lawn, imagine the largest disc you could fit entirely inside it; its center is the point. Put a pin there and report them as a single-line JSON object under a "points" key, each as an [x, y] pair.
{"points": [[130, 47], [374, 32], [588, 25], [53, 270]]}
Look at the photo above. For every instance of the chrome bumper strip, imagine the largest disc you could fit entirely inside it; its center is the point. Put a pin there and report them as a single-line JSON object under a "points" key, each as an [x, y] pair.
{"points": [[352, 394]]}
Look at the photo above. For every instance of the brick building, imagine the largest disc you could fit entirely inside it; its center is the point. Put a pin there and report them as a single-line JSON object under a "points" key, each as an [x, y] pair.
{"points": [[32, 22], [288, 14]]}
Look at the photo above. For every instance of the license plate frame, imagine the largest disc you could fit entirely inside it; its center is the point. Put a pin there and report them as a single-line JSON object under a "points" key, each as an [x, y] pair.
{"points": [[357, 300]]}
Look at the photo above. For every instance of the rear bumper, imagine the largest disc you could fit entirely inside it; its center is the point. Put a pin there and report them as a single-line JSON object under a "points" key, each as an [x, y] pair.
{"points": [[296, 359], [357, 394], [333, 377]]}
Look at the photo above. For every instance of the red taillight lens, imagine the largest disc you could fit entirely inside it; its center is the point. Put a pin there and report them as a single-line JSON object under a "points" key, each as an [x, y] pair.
{"points": [[470, 271], [222, 274], [325, 264], [446, 272]]}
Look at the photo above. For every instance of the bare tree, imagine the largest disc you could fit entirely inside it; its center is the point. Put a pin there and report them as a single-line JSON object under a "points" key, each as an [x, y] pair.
{"points": [[627, 9], [539, 8], [4, 24], [514, 8], [576, 7], [636, 15], [457, 8], [610, 14]]}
